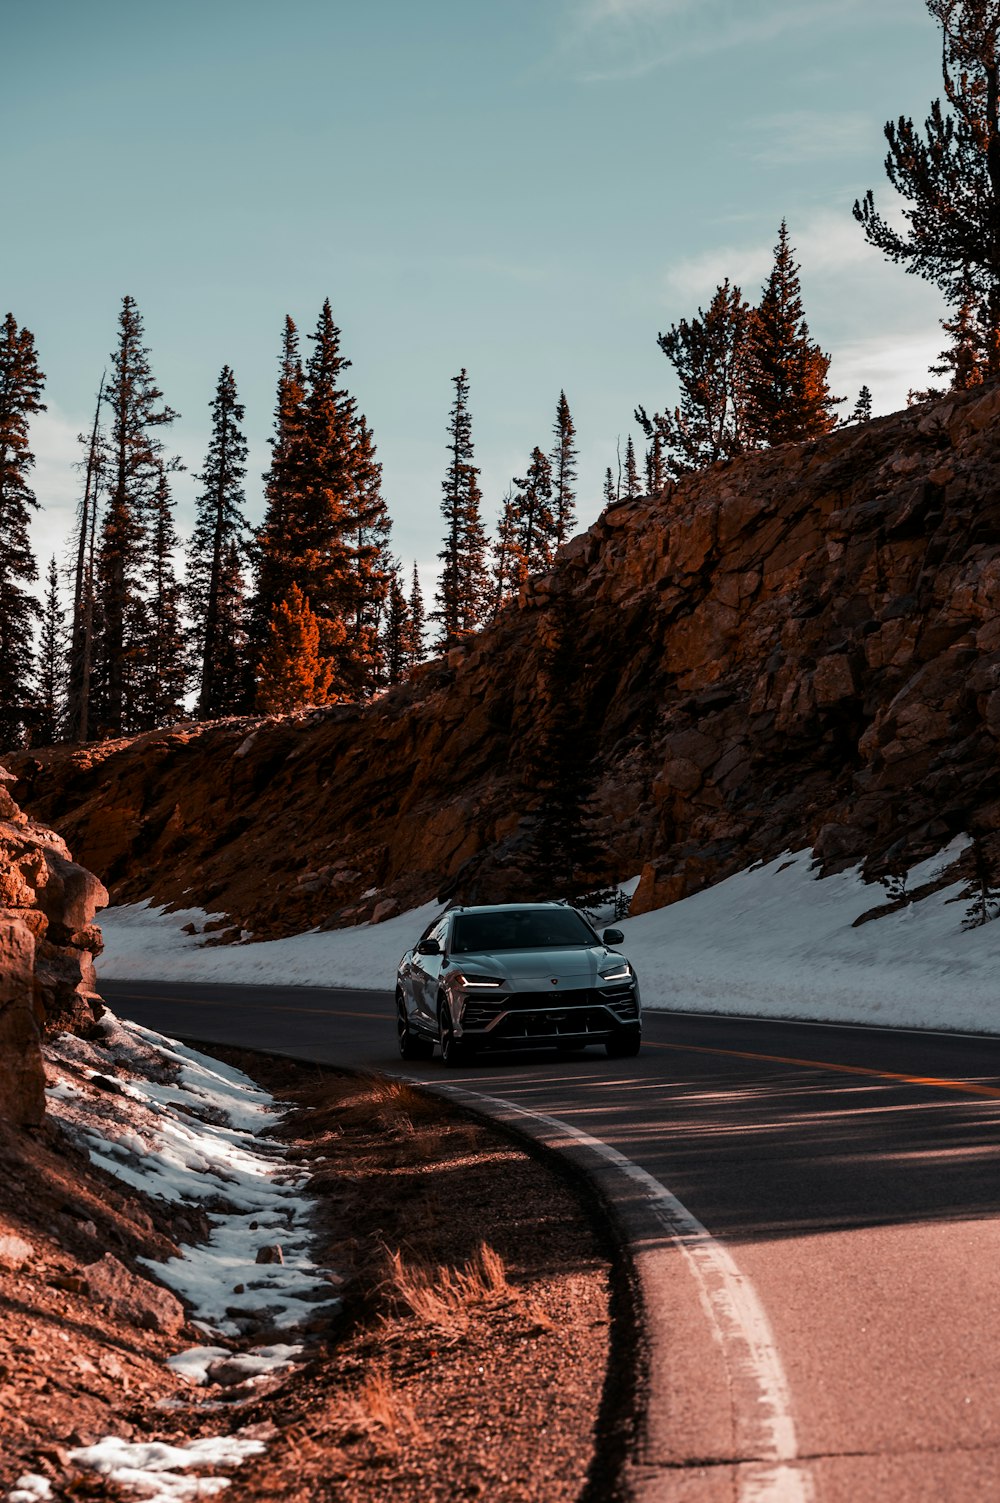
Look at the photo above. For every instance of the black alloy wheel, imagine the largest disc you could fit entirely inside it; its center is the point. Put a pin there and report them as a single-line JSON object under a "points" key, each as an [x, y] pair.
{"points": [[411, 1045]]}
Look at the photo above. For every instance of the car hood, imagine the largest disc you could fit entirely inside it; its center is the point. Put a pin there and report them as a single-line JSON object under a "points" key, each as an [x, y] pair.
{"points": [[525, 969]]}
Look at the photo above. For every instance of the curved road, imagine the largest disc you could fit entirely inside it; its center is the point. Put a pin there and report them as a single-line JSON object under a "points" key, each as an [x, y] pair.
{"points": [[827, 1248]]}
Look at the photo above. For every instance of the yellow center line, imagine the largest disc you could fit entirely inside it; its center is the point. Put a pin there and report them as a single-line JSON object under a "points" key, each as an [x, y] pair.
{"points": [[964, 1087]]}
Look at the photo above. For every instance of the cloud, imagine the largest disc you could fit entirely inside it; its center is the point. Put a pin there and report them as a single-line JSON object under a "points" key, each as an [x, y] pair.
{"points": [[810, 135], [638, 37], [890, 365], [828, 241]]}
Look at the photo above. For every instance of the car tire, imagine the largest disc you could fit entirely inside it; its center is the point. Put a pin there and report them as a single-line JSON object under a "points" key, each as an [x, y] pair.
{"points": [[411, 1045], [453, 1052], [624, 1045]]}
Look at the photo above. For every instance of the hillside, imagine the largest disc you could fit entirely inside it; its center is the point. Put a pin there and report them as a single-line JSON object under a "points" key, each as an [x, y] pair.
{"points": [[798, 648]]}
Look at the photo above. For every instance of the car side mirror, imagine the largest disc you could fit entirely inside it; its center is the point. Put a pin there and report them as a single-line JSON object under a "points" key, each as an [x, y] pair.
{"points": [[613, 937], [428, 947]]}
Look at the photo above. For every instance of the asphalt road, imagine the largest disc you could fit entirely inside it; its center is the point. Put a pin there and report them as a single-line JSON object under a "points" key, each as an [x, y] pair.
{"points": [[846, 1181]]}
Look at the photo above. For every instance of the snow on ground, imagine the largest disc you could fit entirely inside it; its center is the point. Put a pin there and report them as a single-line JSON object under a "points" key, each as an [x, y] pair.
{"points": [[178, 1124], [157, 1471], [772, 941], [196, 1135]]}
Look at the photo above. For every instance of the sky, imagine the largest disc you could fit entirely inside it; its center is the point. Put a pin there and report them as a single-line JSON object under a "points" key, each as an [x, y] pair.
{"points": [[531, 189]]}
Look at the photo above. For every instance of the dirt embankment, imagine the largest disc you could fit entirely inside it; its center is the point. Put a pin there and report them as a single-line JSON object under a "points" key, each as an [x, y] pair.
{"points": [[469, 1356], [800, 647]]}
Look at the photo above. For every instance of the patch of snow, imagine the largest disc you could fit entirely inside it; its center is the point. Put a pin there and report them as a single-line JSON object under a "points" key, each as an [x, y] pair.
{"points": [[29, 1488], [145, 943], [159, 1471], [778, 941], [190, 1129], [193, 1364]]}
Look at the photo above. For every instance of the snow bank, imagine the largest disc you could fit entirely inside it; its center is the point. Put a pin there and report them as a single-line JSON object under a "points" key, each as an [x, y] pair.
{"points": [[772, 941], [191, 1129], [160, 1472]]}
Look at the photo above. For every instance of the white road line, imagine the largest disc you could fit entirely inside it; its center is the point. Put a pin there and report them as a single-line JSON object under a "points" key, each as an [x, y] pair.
{"points": [[734, 1312]]}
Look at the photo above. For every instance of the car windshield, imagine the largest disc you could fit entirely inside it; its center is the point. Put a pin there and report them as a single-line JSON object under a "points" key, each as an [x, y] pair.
{"points": [[520, 929]]}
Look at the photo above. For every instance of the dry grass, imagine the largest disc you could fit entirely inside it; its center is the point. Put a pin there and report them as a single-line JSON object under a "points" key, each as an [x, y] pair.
{"points": [[443, 1296], [380, 1412]]}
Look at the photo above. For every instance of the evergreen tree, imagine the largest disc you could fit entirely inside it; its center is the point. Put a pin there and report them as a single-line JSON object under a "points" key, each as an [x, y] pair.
{"points": [[610, 490], [219, 531], [81, 646], [510, 568], [966, 360], [950, 175], [534, 520], [397, 636], [984, 891], [162, 662], [656, 469], [275, 553], [862, 412], [50, 696], [21, 385], [559, 774], [786, 384], [234, 667], [374, 566], [563, 463], [418, 618], [136, 473], [295, 672], [461, 591], [631, 471], [709, 354]]}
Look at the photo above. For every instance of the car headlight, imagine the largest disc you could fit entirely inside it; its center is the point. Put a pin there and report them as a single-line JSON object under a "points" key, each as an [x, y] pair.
{"points": [[464, 980], [620, 973]]}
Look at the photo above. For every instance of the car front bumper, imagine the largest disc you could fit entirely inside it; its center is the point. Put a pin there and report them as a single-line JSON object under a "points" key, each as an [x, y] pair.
{"points": [[535, 1019]]}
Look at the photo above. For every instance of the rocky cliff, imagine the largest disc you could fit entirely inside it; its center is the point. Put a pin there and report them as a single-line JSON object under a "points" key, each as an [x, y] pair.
{"points": [[47, 946], [801, 647]]}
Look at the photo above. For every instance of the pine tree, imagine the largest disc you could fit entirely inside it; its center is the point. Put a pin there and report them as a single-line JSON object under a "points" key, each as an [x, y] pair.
{"points": [[81, 647], [234, 667], [950, 176], [136, 471], [610, 490], [786, 382], [162, 663], [966, 361], [631, 471], [295, 671], [397, 635], [709, 354], [50, 695], [862, 411], [374, 565], [21, 385], [534, 521], [656, 469], [274, 550], [418, 618], [510, 568], [984, 891], [564, 856], [460, 597], [220, 527], [563, 461]]}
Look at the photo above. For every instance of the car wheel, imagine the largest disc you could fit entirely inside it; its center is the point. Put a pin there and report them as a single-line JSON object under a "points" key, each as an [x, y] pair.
{"points": [[453, 1052], [411, 1045], [624, 1045]]}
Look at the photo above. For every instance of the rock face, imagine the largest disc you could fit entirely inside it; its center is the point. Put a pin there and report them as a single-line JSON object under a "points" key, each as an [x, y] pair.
{"points": [[801, 647], [47, 947]]}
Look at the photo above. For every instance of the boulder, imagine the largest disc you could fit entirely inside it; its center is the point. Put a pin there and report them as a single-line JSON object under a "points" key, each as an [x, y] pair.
{"points": [[131, 1298]]}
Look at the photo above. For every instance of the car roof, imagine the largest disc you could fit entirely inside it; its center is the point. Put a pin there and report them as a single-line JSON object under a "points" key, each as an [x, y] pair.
{"points": [[507, 907]]}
